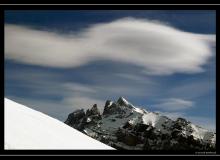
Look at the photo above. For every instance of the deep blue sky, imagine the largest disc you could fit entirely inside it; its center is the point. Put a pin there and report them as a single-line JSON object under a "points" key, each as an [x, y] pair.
{"points": [[39, 86], [64, 21]]}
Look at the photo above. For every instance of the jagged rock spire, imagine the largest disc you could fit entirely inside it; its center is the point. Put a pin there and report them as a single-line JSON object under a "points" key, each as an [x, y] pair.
{"points": [[94, 111], [107, 103], [122, 101]]}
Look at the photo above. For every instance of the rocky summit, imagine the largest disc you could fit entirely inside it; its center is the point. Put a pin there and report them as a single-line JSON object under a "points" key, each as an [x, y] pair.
{"points": [[124, 126]]}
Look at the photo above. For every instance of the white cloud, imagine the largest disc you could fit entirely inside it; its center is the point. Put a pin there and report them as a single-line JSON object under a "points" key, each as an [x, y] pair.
{"points": [[174, 104], [158, 48]]}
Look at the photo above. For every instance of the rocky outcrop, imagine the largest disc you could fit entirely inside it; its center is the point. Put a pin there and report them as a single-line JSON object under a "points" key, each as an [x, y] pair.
{"points": [[79, 119], [93, 111], [123, 126], [112, 108], [75, 119]]}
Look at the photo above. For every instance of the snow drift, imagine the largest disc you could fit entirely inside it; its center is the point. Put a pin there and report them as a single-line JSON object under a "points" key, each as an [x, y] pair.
{"points": [[26, 128]]}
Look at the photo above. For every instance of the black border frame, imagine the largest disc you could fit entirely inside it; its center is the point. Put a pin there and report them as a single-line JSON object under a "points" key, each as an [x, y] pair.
{"points": [[107, 7]]}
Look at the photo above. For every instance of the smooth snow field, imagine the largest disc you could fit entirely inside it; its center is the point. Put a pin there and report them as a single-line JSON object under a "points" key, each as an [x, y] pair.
{"points": [[26, 128]]}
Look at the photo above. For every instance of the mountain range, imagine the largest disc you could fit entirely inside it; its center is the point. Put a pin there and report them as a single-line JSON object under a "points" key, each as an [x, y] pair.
{"points": [[127, 127]]}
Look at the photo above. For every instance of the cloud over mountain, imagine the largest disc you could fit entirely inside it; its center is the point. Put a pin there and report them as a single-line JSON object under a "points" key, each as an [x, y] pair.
{"points": [[156, 47]]}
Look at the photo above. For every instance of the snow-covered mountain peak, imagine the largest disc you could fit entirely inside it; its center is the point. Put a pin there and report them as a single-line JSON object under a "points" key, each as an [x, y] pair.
{"points": [[119, 107], [122, 101], [108, 103], [93, 111], [125, 126]]}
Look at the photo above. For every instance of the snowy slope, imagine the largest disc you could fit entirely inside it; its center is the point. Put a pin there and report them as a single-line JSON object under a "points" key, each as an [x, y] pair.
{"points": [[26, 128]]}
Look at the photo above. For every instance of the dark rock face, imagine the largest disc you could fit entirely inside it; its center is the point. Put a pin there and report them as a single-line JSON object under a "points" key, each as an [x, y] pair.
{"points": [[127, 125], [112, 109], [136, 134], [107, 103], [182, 121], [94, 111], [141, 127], [121, 102], [74, 119], [79, 119]]}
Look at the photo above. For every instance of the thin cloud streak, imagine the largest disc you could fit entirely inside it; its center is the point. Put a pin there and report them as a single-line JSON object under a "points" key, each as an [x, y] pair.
{"points": [[137, 78], [174, 104], [83, 102], [193, 89]]}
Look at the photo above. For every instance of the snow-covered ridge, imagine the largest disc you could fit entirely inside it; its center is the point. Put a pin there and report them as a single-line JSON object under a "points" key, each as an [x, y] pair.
{"points": [[157, 120], [126, 126], [26, 128]]}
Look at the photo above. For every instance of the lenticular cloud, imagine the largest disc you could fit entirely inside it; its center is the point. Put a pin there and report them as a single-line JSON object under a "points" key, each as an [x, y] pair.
{"points": [[158, 48]]}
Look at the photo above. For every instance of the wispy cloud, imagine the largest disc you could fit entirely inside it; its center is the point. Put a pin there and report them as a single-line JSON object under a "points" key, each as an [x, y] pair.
{"points": [[74, 95], [193, 89], [59, 109], [83, 102], [137, 78], [77, 87], [158, 48], [174, 104], [52, 93]]}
